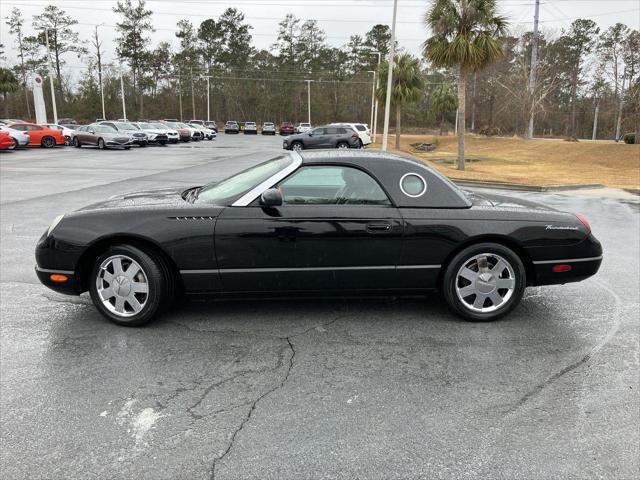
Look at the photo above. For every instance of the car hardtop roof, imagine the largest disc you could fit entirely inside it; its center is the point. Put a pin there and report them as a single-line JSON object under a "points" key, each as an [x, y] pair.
{"points": [[390, 168]]}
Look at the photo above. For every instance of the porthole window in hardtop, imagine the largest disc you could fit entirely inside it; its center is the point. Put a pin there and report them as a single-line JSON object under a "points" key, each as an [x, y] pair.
{"points": [[413, 185]]}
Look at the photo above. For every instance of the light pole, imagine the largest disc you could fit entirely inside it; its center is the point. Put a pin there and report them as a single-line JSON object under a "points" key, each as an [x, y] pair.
{"points": [[124, 108], [53, 93], [193, 97], [208, 77], [373, 95], [392, 51], [374, 127], [309, 101]]}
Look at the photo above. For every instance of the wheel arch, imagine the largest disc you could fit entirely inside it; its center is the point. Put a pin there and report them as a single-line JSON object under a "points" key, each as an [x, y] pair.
{"points": [[85, 262], [500, 240]]}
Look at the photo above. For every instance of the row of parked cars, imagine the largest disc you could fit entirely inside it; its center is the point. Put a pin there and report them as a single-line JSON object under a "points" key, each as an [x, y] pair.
{"points": [[103, 133]]}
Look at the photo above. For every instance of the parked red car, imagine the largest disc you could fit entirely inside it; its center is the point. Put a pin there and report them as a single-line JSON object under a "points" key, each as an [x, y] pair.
{"points": [[44, 136], [6, 142], [287, 128]]}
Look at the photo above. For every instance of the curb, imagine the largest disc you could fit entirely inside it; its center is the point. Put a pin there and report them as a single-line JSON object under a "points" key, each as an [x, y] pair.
{"points": [[525, 187]]}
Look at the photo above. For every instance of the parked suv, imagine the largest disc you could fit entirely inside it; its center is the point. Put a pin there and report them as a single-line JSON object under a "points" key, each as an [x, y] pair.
{"points": [[268, 128], [231, 127], [212, 125], [250, 128], [361, 128], [328, 136], [303, 127], [287, 128]]}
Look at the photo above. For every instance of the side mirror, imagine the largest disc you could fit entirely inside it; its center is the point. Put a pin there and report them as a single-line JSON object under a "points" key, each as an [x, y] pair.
{"points": [[271, 198], [92, 130], [310, 134]]}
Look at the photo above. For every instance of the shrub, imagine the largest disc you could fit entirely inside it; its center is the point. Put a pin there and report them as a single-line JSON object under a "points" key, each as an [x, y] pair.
{"points": [[629, 138]]}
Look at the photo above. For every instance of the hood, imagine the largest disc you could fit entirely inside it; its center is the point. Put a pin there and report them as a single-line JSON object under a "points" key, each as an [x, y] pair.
{"points": [[143, 198], [503, 202]]}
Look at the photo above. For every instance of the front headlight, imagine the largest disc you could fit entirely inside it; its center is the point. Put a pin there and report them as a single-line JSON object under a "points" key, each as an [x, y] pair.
{"points": [[53, 225]]}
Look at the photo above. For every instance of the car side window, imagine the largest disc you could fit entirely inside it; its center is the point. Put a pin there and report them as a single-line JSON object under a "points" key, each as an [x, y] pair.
{"points": [[33, 127], [332, 130], [332, 185], [22, 128], [319, 131]]}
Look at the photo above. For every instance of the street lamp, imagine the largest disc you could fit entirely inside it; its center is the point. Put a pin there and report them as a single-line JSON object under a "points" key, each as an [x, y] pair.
{"points": [[124, 108], [309, 100], [374, 126], [373, 97], [392, 51], [53, 93]]}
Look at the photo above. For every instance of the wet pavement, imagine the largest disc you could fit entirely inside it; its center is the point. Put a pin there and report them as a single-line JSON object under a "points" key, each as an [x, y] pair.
{"points": [[380, 389]]}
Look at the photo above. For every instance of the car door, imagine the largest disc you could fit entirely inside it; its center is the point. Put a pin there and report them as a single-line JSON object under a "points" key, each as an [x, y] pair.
{"points": [[89, 136], [35, 132], [336, 230]]}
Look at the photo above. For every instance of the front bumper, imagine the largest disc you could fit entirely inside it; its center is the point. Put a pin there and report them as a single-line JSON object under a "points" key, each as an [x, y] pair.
{"points": [[69, 286]]}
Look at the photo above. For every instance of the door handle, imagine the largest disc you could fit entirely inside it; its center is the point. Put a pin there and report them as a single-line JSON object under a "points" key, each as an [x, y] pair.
{"points": [[378, 227]]}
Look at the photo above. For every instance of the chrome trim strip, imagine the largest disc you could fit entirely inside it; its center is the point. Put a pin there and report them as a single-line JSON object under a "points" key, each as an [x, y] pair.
{"points": [[46, 270], [568, 260], [256, 191], [304, 269]]}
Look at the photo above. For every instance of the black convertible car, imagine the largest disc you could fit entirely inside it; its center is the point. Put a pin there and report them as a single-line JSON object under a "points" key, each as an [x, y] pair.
{"points": [[321, 223]]}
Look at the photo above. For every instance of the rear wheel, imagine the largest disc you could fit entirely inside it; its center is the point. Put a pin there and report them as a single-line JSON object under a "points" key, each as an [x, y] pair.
{"points": [[484, 282], [130, 286], [76, 142], [48, 142], [342, 145], [14, 144]]}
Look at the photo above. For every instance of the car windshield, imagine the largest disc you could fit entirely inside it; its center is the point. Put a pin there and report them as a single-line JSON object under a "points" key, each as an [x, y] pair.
{"points": [[232, 187], [125, 126], [159, 126], [172, 124], [182, 125], [105, 129], [146, 126]]}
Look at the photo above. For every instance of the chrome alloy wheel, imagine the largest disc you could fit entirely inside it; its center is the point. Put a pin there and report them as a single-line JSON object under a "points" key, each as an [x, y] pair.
{"points": [[122, 286], [296, 146], [485, 283]]}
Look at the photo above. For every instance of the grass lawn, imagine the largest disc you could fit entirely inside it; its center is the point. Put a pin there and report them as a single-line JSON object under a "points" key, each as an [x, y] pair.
{"points": [[541, 161]]}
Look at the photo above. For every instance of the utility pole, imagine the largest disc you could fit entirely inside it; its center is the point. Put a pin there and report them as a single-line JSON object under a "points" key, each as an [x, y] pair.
{"points": [[124, 108], [53, 93], [534, 64], [392, 51], [98, 45], [374, 125], [180, 93], [373, 95], [309, 100], [193, 97]]}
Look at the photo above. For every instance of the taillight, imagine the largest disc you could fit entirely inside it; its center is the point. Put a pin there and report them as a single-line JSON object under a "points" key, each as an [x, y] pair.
{"points": [[561, 268], [355, 136], [584, 222]]}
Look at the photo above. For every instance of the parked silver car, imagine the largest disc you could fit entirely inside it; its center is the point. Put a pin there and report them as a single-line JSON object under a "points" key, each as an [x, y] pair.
{"points": [[155, 134], [139, 137], [268, 128], [20, 139], [101, 136]]}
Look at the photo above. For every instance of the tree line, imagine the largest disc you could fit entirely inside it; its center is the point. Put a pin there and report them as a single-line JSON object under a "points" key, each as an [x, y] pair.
{"points": [[588, 78]]}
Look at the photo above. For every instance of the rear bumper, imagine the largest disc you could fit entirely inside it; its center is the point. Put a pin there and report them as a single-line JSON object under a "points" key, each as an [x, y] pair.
{"points": [[581, 268], [69, 287]]}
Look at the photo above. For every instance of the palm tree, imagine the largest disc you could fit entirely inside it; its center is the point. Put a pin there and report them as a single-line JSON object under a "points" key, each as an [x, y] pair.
{"points": [[406, 88], [465, 35], [8, 83]]}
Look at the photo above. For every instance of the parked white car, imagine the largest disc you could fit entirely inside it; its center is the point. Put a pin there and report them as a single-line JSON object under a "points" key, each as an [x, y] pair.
{"points": [[65, 129], [303, 127], [207, 133], [362, 130], [20, 139], [196, 133], [172, 135]]}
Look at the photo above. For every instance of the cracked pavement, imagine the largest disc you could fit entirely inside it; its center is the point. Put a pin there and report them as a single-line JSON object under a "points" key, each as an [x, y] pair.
{"points": [[306, 389]]}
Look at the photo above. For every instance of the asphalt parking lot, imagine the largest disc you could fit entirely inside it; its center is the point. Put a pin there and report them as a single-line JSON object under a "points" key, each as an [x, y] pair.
{"points": [[335, 389]]}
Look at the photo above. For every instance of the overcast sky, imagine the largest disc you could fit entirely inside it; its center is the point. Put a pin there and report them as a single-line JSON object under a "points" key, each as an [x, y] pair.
{"points": [[338, 18]]}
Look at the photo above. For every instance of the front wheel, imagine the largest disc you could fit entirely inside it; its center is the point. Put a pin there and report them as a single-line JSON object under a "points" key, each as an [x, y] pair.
{"points": [[342, 145], [297, 146], [101, 144], [484, 282], [14, 144], [129, 286], [76, 142]]}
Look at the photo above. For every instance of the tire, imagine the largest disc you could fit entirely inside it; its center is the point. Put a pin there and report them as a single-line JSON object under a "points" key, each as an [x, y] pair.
{"points": [[342, 145], [76, 142], [14, 144], [151, 286], [297, 146], [67, 140], [101, 144], [48, 142], [484, 286], [127, 148], [162, 143]]}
